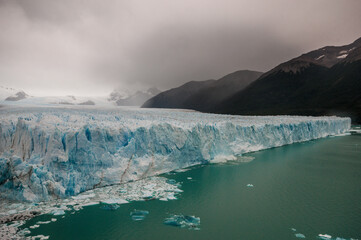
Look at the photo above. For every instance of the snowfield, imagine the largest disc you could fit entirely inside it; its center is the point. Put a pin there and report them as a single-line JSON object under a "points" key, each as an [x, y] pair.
{"points": [[56, 152]]}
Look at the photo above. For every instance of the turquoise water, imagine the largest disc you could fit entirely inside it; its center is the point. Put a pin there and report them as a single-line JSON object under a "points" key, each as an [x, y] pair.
{"points": [[313, 187]]}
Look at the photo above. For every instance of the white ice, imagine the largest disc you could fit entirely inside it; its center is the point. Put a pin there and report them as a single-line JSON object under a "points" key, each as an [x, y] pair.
{"points": [[47, 153]]}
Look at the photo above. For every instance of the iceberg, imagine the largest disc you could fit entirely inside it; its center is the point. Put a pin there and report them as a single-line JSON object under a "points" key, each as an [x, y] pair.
{"points": [[300, 235], [138, 215], [183, 221], [324, 236], [48, 153]]}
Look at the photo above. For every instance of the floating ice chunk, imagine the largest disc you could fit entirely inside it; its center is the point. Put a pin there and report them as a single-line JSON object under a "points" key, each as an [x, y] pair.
{"points": [[114, 200], [43, 222], [83, 196], [293, 229], [189, 178], [171, 196], [58, 212], [355, 131], [177, 190], [34, 226], [138, 215], [324, 236], [111, 207], [53, 219], [41, 237], [250, 185], [24, 232], [181, 170], [183, 221], [300, 235], [89, 204], [163, 199], [171, 181]]}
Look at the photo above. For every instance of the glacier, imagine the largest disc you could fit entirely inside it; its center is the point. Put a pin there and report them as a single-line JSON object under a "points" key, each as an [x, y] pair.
{"points": [[56, 152]]}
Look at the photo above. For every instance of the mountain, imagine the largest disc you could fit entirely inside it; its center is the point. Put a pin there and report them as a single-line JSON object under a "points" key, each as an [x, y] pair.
{"points": [[125, 98], [203, 95], [176, 97], [11, 94], [326, 81]]}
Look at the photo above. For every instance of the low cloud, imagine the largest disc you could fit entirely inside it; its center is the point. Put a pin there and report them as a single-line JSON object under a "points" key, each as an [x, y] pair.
{"points": [[90, 47]]}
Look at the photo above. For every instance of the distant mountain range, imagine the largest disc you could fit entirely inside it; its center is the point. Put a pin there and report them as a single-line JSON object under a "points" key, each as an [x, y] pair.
{"points": [[12, 94], [123, 98], [326, 81], [203, 95]]}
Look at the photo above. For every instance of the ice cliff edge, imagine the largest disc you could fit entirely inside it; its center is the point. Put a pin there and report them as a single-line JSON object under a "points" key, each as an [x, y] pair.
{"points": [[48, 153]]}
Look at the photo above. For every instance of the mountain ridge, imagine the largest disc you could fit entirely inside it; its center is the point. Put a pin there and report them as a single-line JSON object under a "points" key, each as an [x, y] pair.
{"points": [[313, 89], [200, 95]]}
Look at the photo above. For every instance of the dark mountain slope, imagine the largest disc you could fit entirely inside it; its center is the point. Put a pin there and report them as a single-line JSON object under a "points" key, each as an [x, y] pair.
{"points": [[326, 57], [177, 97], [206, 98], [304, 87], [203, 95]]}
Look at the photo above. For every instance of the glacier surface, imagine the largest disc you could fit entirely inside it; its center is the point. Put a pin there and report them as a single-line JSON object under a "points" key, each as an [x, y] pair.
{"points": [[52, 152]]}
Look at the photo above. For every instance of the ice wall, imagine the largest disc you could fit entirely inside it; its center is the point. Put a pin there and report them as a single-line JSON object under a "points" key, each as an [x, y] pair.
{"points": [[48, 153]]}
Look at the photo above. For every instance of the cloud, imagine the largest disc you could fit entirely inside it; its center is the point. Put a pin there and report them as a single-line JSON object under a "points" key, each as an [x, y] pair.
{"points": [[90, 47]]}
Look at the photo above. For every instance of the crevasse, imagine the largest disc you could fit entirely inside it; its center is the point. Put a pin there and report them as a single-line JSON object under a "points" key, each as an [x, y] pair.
{"points": [[48, 153]]}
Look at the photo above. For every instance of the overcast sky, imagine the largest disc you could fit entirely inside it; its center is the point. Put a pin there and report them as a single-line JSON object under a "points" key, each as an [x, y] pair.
{"points": [[89, 47]]}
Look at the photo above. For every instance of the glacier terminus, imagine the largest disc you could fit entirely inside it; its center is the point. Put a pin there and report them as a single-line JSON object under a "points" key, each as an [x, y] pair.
{"points": [[57, 152]]}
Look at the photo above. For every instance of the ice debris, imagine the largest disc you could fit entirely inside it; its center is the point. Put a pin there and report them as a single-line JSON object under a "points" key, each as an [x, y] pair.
{"points": [[109, 197], [138, 215], [324, 236], [250, 185], [183, 221], [58, 212], [34, 226], [43, 222], [114, 201], [40, 237], [300, 235], [110, 207]]}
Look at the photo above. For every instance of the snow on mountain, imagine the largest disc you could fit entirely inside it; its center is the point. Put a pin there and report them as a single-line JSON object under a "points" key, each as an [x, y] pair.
{"points": [[327, 57], [120, 97], [123, 97], [11, 94], [47, 153], [342, 56]]}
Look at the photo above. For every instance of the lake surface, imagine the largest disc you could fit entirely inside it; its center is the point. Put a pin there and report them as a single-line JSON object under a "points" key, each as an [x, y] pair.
{"points": [[310, 188]]}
